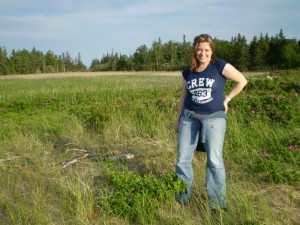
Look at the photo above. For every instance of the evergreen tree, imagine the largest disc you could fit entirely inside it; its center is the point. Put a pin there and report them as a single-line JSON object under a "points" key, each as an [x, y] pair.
{"points": [[68, 62], [39, 61], [51, 63], [95, 65], [157, 54], [123, 63], [291, 53], [276, 53], [4, 63], [240, 53], [170, 55], [22, 62], [224, 50], [264, 46], [257, 57], [114, 61], [141, 58], [79, 66], [184, 54]]}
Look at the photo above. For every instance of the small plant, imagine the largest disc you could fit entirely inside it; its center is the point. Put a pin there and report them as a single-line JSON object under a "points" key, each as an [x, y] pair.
{"points": [[132, 194]]}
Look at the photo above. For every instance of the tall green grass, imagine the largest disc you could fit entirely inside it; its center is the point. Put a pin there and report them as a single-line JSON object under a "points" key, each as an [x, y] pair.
{"points": [[47, 122]]}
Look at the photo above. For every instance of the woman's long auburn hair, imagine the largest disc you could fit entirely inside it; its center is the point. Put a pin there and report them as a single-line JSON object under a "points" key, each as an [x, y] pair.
{"points": [[198, 39]]}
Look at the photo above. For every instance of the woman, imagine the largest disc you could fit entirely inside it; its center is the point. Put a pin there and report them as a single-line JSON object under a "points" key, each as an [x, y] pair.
{"points": [[202, 117]]}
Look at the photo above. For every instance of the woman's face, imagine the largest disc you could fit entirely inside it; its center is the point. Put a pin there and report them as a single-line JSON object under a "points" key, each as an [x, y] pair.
{"points": [[204, 52]]}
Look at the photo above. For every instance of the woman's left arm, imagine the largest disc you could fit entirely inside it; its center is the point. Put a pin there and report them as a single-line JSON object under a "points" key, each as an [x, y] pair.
{"points": [[231, 73]]}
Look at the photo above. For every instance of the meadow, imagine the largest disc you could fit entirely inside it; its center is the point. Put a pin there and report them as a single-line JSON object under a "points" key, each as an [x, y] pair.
{"points": [[99, 121]]}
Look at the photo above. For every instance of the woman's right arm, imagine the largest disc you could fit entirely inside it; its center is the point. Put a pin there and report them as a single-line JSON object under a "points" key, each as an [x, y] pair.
{"points": [[181, 104]]}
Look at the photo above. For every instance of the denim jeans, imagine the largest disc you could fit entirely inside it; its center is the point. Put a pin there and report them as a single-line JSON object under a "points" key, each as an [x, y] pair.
{"points": [[212, 132]]}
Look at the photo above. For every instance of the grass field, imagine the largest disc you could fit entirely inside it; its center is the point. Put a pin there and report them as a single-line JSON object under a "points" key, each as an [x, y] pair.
{"points": [[97, 118]]}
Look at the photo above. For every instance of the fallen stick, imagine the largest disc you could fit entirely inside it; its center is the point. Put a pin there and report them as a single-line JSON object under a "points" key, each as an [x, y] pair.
{"points": [[12, 158], [110, 156], [69, 163], [123, 156]]}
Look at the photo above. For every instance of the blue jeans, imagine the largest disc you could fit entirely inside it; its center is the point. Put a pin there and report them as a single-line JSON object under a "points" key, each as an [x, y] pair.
{"points": [[212, 132]]}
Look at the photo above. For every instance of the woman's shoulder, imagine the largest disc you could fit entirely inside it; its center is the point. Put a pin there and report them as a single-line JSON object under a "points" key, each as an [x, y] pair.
{"points": [[186, 71], [220, 64]]}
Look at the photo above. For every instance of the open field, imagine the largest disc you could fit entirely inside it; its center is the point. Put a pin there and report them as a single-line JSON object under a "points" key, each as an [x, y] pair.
{"points": [[85, 74], [97, 118], [109, 73]]}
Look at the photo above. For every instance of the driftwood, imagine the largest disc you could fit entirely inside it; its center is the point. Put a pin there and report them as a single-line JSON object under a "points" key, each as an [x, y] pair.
{"points": [[13, 158], [113, 156]]}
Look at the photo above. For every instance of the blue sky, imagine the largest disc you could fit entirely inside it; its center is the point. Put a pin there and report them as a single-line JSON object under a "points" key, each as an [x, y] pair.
{"points": [[97, 27]]}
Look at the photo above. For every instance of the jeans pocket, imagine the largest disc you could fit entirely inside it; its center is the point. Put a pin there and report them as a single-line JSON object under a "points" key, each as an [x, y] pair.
{"points": [[187, 113]]}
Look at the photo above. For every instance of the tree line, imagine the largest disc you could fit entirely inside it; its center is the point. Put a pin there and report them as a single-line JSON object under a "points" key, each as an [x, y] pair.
{"points": [[26, 62], [261, 54]]}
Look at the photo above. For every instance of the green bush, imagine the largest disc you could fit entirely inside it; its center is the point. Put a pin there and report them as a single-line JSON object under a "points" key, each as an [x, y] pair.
{"points": [[134, 195]]}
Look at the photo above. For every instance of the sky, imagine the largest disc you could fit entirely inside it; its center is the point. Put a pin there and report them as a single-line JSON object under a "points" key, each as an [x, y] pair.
{"points": [[94, 28]]}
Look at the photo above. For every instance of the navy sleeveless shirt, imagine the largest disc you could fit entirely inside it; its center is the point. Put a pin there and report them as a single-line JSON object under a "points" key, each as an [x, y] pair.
{"points": [[206, 88]]}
